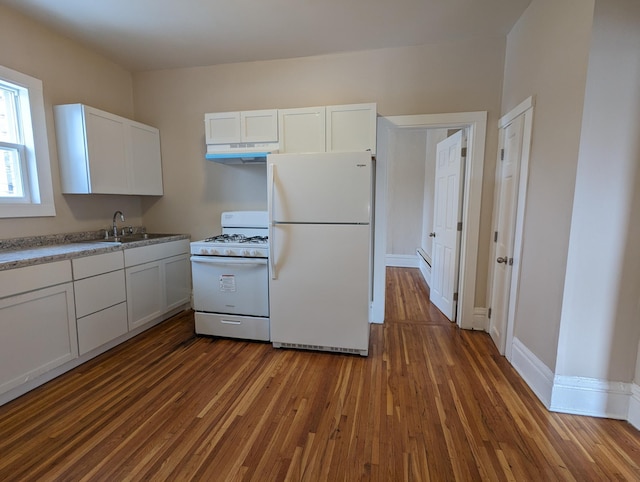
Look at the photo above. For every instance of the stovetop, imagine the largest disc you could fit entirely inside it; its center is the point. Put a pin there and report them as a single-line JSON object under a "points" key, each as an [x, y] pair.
{"points": [[232, 245], [237, 238]]}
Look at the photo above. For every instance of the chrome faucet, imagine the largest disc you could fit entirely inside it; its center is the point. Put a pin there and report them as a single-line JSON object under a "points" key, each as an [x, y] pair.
{"points": [[115, 226]]}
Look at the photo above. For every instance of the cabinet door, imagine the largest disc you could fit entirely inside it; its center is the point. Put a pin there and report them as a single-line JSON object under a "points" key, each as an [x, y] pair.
{"points": [[222, 127], [145, 293], [38, 334], [107, 153], [259, 126], [177, 282], [145, 168], [302, 130], [351, 128]]}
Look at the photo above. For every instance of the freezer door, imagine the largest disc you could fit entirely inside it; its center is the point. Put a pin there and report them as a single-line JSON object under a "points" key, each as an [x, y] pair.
{"points": [[319, 296], [320, 187]]}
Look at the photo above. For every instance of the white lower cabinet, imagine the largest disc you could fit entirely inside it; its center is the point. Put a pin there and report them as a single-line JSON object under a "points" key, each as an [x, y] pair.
{"points": [[37, 322], [158, 280], [100, 298], [144, 292]]}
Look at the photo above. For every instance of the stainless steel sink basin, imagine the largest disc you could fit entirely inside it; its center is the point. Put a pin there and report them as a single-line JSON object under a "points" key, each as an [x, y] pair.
{"points": [[131, 238]]}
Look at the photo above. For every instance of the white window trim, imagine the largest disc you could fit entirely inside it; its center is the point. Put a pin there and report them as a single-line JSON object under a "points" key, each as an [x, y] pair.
{"points": [[37, 153]]}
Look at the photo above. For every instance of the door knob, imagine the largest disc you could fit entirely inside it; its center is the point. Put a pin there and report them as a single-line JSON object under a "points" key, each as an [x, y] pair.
{"points": [[502, 260], [432, 235]]}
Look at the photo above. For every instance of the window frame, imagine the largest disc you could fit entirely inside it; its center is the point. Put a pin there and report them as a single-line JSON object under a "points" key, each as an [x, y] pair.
{"points": [[35, 158]]}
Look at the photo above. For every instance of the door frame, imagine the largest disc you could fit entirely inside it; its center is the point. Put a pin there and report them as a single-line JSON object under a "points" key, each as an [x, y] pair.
{"points": [[476, 125], [525, 108]]}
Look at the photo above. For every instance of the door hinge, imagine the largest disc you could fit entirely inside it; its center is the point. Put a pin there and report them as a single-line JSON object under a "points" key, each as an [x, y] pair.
{"points": [[455, 297], [502, 154], [489, 313], [495, 236], [460, 226], [463, 152]]}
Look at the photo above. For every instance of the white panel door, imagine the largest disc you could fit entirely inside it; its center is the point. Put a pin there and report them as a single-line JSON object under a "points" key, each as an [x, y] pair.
{"points": [[145, 293], [222, 127], [447, 215], [107, 153], [302, 130], [505, 230], [145, 168], [259, 126], [351, 127]]}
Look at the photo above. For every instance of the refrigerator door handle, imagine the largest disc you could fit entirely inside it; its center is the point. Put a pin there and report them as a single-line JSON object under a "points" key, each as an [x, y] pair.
{"points": [[272, 224]]}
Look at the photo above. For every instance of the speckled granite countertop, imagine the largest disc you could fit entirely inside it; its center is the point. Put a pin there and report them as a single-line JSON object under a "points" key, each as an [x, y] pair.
{"points": [[21, 252]]}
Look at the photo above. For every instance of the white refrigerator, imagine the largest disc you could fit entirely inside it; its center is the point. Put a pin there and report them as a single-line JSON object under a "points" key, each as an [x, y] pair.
{"points": [[320, 211]]}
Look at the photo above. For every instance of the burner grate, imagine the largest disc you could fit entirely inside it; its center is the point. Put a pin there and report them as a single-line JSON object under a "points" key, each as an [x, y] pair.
{"points": [[237, 238]]}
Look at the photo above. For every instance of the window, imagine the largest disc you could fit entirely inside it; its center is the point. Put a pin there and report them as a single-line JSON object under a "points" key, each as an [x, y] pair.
{"points": [[25, 171]]}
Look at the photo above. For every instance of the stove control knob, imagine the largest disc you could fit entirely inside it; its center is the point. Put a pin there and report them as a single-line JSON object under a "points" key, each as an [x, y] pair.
{"points": [[213, 251], [229, 252], [247, 252], [203, 250], [255, 253]]}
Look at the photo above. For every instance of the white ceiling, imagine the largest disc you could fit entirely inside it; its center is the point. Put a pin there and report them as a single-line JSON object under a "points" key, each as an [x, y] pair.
{"points": [[160, 34]]}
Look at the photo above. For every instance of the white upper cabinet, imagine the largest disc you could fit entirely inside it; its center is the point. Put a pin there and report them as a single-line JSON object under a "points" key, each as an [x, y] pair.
{"points": [[351, 128], [302, 130], [335, 128], [102, 153], [241, 127]]}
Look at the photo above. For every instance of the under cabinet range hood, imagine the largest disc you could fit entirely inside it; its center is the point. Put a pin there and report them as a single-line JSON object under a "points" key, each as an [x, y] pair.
{"points": [[241, 153]]}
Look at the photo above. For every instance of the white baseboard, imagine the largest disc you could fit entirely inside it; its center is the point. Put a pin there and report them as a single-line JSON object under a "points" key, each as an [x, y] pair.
{"points": [[590, 396], [634, 406], [480, 320], [577, 395], [402, 260], [537, 375], [425, 270]]}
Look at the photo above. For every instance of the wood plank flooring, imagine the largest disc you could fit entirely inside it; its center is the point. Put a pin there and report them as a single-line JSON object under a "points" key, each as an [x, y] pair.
{"points": [[431, 402]]}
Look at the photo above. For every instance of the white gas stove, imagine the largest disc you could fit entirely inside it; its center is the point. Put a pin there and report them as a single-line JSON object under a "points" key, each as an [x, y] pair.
{"points": [[230, 278]]}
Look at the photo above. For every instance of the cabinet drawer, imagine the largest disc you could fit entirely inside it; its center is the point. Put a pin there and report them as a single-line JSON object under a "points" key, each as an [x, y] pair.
{"points": [[99, 292], [30, 278], [101, 327], [154, 252], [98, 264], [246, 327]]}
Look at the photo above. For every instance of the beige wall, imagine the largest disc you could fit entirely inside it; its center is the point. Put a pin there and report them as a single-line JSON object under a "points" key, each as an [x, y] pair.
{"points": [[600, 324], [547, 53], [405, 197], [453, 77], [70, 73]]}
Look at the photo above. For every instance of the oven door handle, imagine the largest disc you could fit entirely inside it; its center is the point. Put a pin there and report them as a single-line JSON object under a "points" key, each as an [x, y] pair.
{"points": [[229, 261]]}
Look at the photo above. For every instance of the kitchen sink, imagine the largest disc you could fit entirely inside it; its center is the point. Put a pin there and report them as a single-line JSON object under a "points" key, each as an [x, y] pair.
{"points": [[131, 238]]}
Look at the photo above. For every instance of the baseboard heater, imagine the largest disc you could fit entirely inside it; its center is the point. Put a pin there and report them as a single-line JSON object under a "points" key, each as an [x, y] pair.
{"points": [[301, 346], [424, 256]]}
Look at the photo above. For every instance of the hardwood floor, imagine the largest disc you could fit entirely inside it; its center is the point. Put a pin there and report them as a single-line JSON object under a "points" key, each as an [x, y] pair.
{"points": [[431, 402]]}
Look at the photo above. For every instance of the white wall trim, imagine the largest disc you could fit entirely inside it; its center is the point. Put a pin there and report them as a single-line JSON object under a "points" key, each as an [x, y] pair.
{"points": [[425, 270], [535, 373], [480, 320], [634, 406], [590, 396], [402, 260], [476, 123], [577, 395]]}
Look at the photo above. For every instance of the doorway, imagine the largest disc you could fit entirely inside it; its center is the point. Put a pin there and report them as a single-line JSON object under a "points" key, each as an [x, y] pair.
{"points": [[475, 124], [512, 168]]}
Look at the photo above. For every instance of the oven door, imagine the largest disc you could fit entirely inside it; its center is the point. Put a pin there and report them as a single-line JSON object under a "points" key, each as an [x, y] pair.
{"points": [[238, 286]]}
